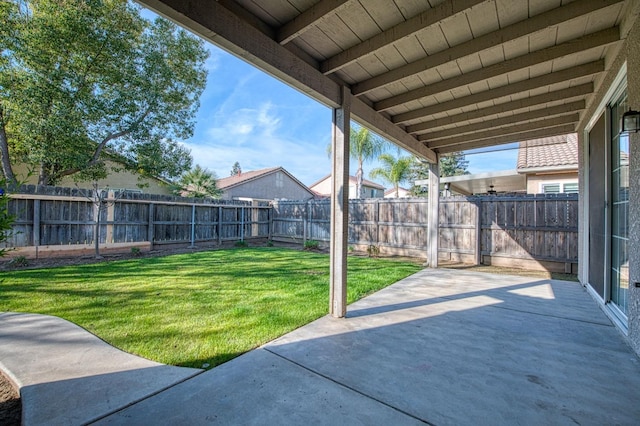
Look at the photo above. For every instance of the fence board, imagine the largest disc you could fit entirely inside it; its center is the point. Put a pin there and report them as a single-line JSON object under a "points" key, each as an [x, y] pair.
{"points": [[520, 227]]}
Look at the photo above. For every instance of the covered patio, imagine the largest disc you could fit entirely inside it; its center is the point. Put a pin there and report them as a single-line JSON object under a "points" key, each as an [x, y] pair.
{"points": [[443, 347], [440, 76]]}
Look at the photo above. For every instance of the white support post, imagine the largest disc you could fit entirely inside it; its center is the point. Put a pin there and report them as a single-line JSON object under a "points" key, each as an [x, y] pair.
{"points": [[434, 206], [339, 206]]}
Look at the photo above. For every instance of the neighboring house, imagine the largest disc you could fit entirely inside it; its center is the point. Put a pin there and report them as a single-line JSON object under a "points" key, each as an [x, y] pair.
{"points": [[550, 164], [371, 189], [274, 183], [118, 179], [544, 166], [402, 193]]}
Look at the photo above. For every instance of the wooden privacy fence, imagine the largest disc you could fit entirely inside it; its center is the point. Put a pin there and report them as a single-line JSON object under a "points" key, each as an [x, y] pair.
{"points": [[62, 216], [531, 231], [521, 230], [390, 223], [525, 231]]}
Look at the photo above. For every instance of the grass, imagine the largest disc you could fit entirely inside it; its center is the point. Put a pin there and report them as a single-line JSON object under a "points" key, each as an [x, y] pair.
{"points": [[197, 308]]}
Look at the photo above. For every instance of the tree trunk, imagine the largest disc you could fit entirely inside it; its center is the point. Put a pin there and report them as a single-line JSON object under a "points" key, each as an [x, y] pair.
{"points": [[7, 170], [359, 178]]}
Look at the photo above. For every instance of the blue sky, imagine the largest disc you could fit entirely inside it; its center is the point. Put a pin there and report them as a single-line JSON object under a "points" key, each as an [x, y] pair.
{"points": [[253, 118]]}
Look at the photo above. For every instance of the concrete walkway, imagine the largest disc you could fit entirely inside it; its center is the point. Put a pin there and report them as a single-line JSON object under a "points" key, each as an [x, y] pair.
{"points": [[440, 347]]}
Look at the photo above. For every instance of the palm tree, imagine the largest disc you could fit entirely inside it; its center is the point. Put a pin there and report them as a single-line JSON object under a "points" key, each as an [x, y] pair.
{"points": [[393, 171], [199, 183], [363, 146]]}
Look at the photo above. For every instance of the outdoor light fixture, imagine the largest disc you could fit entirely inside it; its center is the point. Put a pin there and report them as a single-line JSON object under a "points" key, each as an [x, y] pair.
{"points": [[491, 191], [630, 122]]}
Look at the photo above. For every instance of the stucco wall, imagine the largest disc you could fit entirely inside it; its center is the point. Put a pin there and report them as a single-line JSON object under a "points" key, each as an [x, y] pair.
{"points": [[324, 188], [534, 182], [274, 185], [628, 53], [633, 90]]}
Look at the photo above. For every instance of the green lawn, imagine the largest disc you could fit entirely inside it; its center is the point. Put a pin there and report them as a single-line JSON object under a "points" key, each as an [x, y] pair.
{"points": [[196, 308]]}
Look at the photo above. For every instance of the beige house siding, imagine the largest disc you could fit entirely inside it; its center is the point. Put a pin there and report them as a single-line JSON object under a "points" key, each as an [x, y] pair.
{"points": [[276, 185], [535, 182], [123, 179], [323, 188]]}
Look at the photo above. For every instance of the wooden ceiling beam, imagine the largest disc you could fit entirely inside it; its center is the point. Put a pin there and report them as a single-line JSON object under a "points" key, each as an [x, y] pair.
{"points": [[564, 94], [411, 26], [600, 38], [510, 138], [519, 29], [498, 132], [217, 24], [367, 116], [511, 120], [506, 90], [308, 19]]}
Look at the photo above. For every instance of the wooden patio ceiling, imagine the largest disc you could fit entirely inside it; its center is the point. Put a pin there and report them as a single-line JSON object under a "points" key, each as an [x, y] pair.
{"points": [[430, 75]]}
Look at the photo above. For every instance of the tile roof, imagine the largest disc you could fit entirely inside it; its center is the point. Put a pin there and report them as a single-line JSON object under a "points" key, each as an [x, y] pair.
{"points": [[553, 152]]}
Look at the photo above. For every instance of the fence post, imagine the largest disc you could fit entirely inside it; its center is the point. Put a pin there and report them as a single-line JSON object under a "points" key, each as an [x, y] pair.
{"points": [[219, 225], [111, 214], [304, 224], [310, 220], [377, 219], [36, 225], [241, 223], [193, 226], [150, 226], [255, 218], [270, 216], [478, 218]]}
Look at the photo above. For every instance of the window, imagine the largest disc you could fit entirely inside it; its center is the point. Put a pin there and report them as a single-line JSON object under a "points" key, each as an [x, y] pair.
{"points": [[557, 188], [279, 180], [570, 187]]}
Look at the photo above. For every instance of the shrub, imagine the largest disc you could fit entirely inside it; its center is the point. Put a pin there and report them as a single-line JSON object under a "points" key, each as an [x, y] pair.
{"points": [[311, 245], [373, 251], [6, 219], [135, 251], [19, 262], [241, 243]]}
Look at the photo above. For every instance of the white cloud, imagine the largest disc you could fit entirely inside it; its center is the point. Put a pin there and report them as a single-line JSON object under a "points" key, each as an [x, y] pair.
{"points": [[255, 138]]}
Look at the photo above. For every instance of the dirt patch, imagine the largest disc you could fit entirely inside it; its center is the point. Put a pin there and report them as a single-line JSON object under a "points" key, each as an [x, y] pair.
{"points": [[10, 405], [52, 262]]}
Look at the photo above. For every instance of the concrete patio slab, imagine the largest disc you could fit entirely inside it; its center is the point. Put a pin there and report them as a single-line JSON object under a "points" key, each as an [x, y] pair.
{"points": [[260, 388], [68, 376], [443, 347]]}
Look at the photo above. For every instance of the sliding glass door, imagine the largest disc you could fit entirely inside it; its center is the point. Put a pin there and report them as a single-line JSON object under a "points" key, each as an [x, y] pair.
{"points": [[619, 201]]}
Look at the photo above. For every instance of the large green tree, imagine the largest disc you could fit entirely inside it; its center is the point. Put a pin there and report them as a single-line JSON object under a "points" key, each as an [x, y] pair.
{"points": [[199, 183], [393, 170], [79, 78], [453, 164]]}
